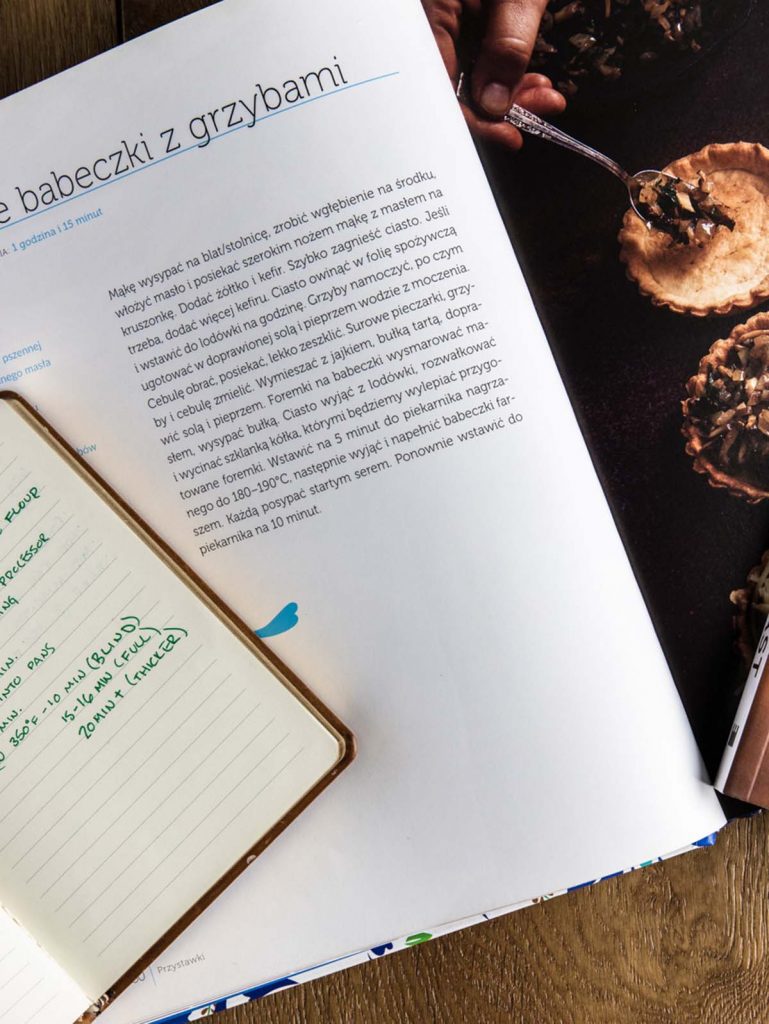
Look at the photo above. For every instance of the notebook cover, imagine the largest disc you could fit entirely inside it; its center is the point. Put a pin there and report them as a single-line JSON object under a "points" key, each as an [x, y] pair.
{"points": [[261, 651]]}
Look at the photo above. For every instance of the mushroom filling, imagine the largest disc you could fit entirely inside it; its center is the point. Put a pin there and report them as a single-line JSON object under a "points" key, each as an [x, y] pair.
{"points": [[730, 408], [602, 39], [688, 213]]}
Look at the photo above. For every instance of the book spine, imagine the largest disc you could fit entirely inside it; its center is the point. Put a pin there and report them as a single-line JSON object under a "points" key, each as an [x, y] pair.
{"points": [[744, 769]]}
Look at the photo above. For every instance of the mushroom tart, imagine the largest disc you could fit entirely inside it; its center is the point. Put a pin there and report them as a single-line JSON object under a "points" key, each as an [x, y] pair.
{"points": [[713, 258], [726, 413]]}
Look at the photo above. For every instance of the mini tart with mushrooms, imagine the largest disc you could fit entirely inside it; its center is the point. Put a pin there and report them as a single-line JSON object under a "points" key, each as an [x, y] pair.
{"points": [[726, 414], [728, 271]]}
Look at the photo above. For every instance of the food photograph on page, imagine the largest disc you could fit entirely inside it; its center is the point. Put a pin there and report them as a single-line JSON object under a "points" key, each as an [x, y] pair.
{"points": [[651, 296], [328, 373]]}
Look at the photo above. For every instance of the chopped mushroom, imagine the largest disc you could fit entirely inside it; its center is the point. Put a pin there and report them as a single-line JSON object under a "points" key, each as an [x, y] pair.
{"points": [[583, 39], [688, 213]]}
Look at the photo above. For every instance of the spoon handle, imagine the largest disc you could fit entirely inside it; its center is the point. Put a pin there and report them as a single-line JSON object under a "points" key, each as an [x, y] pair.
{"points": [[534, 125]]}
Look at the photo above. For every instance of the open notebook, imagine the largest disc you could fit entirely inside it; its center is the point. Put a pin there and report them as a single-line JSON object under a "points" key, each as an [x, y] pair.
{"points": [[149, 745]]}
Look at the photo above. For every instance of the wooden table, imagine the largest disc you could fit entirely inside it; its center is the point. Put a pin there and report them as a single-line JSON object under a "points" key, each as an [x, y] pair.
{"points": [[685, 941]]}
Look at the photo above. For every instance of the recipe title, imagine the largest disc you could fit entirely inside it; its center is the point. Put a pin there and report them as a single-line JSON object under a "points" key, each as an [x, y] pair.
{"points": [[130, 155]]}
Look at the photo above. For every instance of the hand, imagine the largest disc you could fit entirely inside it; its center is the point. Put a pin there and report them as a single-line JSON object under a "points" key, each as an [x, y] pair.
{"points": [[508, 30]]}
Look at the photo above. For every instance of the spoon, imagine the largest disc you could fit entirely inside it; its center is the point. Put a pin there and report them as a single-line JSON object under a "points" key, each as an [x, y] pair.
{"points": [[528, 122]]}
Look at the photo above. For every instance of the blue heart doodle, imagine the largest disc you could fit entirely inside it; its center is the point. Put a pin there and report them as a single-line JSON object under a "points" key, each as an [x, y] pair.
{"points": [[286, 619]]}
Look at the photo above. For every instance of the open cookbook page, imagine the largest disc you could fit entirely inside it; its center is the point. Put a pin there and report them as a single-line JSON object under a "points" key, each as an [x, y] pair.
{"points": [[262, 284]]}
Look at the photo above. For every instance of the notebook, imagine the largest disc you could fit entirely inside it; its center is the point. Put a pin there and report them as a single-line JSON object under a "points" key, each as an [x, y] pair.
{"points": [[149, 746]]}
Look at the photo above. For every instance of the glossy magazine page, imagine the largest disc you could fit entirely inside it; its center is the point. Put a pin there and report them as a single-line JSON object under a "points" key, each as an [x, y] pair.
{"points": [[662, 344]]}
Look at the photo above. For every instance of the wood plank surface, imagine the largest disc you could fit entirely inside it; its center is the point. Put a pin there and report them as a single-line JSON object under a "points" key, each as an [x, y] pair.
{"points": [[139, 16], [39, 38], [683, 942]]}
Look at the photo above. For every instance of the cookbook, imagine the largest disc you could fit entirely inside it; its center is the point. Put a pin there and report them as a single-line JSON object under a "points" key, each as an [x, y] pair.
{"points": [[262, 285]]}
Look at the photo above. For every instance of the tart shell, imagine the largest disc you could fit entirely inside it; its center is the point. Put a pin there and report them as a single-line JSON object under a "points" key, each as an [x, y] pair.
{"points": [[735, 164], [717, 476]]}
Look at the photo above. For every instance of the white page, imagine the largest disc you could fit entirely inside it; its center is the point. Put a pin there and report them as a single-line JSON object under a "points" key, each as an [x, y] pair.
{"points": [[33, 988], [157, 975], [470, 612], [144, 748]]}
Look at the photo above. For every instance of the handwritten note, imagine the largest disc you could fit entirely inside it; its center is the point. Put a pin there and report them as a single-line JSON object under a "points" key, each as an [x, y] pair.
{"points": [[143, 747]]}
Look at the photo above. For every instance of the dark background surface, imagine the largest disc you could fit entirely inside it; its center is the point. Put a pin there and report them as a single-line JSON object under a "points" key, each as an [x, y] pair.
{"points": [[626, 363]]}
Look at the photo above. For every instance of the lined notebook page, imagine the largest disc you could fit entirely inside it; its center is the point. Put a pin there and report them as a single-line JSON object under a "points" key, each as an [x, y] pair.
{"points": [[143, 747], [33, 989]]}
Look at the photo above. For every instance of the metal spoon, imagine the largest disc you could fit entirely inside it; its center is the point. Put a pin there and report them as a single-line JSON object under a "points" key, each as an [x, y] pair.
{"points": [[528, 122]]}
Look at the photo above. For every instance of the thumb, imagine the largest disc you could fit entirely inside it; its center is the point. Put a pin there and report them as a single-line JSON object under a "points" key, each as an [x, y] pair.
{"points": [[511, 32]]}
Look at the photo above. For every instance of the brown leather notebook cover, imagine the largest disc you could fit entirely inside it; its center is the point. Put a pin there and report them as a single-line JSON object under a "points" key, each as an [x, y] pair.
{"points": [[344, 738]]}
